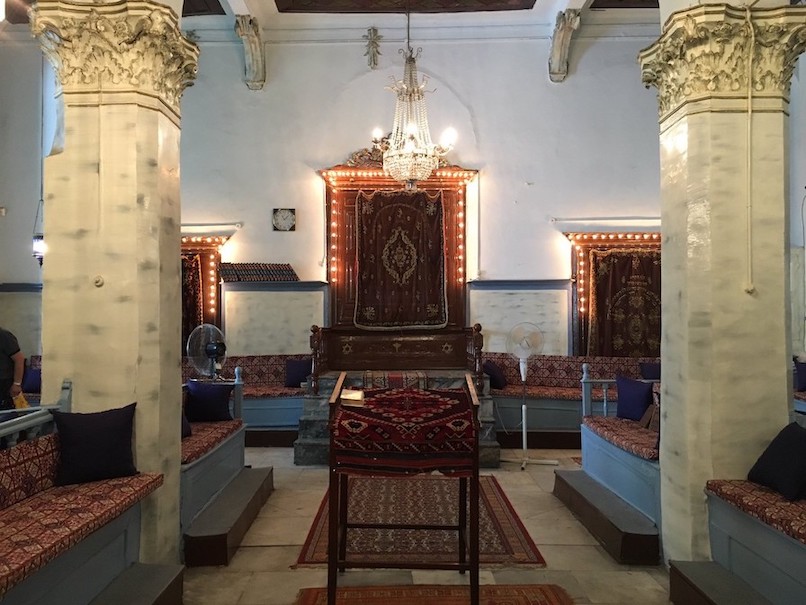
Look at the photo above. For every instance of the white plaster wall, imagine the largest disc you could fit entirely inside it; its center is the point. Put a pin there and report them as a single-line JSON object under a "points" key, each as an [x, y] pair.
{"points": [[797, 300], [271, 323], [245, 152], [499, 310], [20, 127], [586, 147], [21, 313]]}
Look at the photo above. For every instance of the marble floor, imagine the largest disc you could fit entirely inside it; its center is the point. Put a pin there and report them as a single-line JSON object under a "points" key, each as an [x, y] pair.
{"points": [[261, 574]]}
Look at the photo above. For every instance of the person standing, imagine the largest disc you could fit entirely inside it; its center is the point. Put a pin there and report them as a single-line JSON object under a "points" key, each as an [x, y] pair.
{"points": [[12, 363]]}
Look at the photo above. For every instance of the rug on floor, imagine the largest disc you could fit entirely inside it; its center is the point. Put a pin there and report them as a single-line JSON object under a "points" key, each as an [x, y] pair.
{"points": [[491, 594], [374, 379], [427, 499]]}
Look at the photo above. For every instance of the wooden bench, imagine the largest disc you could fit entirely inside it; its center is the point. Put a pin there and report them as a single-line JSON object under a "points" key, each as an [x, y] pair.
{"points": [[219, 496], [759, 536], [68, 544], [267, 402], [554, 391], [617, 492]]}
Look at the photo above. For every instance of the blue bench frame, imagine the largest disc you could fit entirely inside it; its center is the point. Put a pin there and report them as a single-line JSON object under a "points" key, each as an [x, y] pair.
{"points": [[79, 574], [772, 562], [201, 480], [634, 479]]}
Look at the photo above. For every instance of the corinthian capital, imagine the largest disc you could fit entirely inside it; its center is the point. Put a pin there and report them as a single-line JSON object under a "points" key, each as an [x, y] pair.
{"points": [[721, 51], [116, 48]]}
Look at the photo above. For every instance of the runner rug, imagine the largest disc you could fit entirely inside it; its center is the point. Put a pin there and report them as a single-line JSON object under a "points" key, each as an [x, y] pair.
{"points": [[491, 594], [427, 499]]}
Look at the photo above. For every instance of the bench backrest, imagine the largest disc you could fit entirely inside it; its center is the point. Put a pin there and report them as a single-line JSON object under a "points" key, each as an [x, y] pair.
{"points": [[566, 371], [28, 468], [256, 370]]}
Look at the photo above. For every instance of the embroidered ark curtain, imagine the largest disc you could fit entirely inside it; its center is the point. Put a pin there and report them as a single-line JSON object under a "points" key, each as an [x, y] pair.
{"points": [[625, 309], [192, 301], [400, 261]]}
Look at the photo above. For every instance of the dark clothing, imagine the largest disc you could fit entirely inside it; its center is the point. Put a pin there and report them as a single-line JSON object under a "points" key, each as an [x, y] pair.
{"points": [[8, 347]]}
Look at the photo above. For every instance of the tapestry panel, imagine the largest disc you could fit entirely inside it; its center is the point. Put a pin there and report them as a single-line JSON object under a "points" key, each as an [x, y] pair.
{"points": [[625, 308], [192, 301], [400, 261]]}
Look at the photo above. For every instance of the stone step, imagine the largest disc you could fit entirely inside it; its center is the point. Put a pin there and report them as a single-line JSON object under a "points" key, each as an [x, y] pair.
{"points": [[708, 583], [217, 531], [144, 584], [625, 533]]}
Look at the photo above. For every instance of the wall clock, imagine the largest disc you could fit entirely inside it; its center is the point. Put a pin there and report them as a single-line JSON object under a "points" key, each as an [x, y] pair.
{"points": [[284, 219]]}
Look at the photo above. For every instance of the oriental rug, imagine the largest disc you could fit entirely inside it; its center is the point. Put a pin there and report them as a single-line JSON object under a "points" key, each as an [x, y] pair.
{"points": [[491, 594], [412, 379], [431, 499]]}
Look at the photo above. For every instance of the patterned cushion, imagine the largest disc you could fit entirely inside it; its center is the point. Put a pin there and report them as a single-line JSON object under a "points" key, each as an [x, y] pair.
{"points": [[266, 392], [38, 529], [406, 431], [263, 375], [374, 379], [27, 468], [764, 504], [628, 435], [566, 371], [205, 436], [564, 393], [800, 395]]}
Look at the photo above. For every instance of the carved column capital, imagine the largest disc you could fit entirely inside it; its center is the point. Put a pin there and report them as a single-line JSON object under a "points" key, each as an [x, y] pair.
{"points": [[718, 51], [116, 49]]}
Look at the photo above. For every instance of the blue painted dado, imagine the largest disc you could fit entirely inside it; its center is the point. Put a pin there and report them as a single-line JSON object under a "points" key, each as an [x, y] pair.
{"points": [[273, 412]]}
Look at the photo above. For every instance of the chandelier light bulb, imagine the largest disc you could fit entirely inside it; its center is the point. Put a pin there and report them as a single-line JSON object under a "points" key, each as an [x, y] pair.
{"points": [[377, 134], [448, 138]]}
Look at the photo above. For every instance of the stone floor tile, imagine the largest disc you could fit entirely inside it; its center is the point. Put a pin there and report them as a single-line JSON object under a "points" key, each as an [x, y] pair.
{"points": [[279, 587], [277, 530], [448, 577], [578, 558], [214, 586], [263, 558], [633, 587]]}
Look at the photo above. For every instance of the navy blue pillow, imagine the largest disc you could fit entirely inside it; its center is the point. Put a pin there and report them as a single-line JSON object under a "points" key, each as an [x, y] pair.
{"points": [[497, 378], [95, 445], [208, 401], [800, 376], [649, 370], [634, 397], [187, 430], [32, 380], [297, 371], [782, 466]]}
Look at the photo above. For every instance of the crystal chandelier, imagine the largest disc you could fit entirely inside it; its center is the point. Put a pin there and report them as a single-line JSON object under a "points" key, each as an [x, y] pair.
{"points": [[409, 155]]}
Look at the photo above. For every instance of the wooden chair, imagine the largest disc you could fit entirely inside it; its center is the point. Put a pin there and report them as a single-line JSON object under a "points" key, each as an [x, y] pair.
{"points": [[446, 441]]}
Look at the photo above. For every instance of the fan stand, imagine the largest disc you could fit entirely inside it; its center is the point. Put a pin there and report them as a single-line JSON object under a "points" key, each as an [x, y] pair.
{"points": [[526, 460]]}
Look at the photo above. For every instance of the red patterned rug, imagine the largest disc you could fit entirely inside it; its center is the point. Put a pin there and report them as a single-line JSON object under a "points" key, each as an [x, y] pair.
{"points": [[491, 594], [427, 499], [414, 379]]}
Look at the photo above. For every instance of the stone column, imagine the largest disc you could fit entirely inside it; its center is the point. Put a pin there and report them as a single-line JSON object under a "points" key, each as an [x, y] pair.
{"points": [[723, 76], [111, 280]]}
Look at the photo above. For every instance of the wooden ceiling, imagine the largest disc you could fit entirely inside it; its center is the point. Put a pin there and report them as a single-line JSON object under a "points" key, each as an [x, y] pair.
{"points": [[400, 6], [17, 10]]}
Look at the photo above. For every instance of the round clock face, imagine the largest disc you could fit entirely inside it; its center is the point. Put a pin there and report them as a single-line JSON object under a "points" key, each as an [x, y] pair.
{"points": [[284, 219]]}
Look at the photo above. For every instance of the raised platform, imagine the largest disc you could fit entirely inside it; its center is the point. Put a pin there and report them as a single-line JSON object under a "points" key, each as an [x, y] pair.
{"points": [[145, 584], [625, 533], [708, 583], [215, 534], [313, 442]]}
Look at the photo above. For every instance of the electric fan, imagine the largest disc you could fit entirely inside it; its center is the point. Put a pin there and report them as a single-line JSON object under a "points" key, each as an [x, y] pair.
{"points": [[206, 350], [524, 340]]}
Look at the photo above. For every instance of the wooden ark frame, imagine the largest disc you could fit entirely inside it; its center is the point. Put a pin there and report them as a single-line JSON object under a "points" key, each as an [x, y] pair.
{"points": [[345, 347]]}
